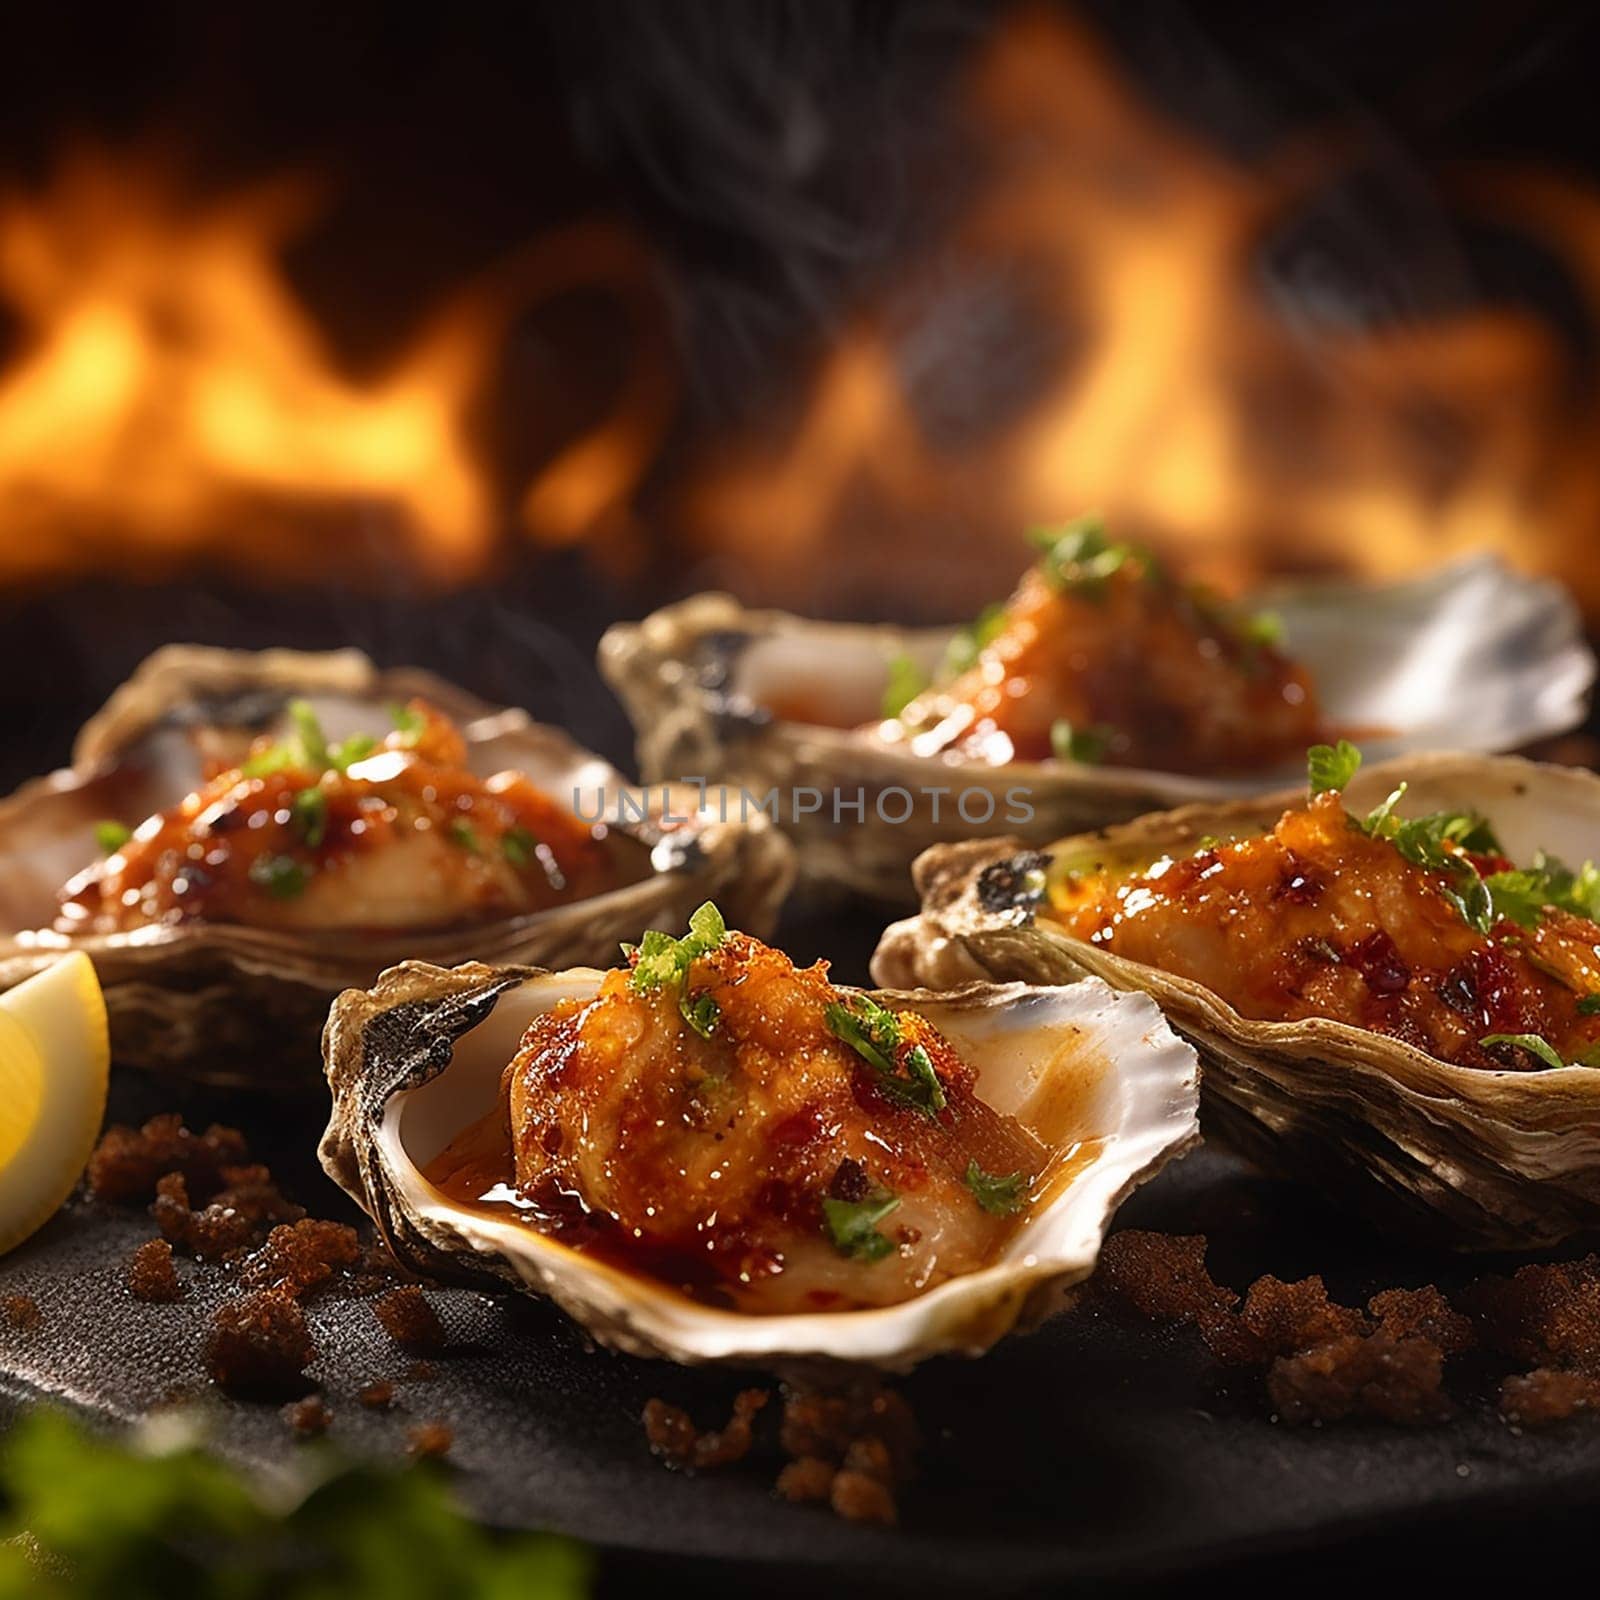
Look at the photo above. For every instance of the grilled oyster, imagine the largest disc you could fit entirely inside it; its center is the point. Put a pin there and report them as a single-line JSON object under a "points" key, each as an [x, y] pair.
{"points": [[1383, 1000], [790, 711], [234, 896], [712, 1156]]}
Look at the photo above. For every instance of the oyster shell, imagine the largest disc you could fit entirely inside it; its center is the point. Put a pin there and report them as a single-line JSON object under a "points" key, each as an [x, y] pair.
{"points": [[1472, 657], [419, 1058], [229, 1003], [1461, 1155]]}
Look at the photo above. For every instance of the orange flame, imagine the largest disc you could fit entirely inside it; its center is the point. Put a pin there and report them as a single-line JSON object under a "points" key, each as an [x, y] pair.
{"points": [[1177, 401], [171, 398]]}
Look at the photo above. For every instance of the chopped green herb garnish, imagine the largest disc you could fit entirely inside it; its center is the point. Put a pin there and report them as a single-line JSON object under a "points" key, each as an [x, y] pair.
{"points": [[281, 876], [347, 752], [1524, 894], [519, 847], [1263, 630], [1085, 745], [1531, 1042], [111, 836], [307, 749], [1589, 1005], [663, 961], [308, 815], [1000, 1196], [1080, 557], [906, 681], [409, 724], [1331, 766], [968, 643], [700, 1011], [853, 1224], [308, 732], [462, 832], [874, 1033]]}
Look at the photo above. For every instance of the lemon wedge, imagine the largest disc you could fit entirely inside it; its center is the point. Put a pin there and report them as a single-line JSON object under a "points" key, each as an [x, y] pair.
{"points": [[55, 1053]]}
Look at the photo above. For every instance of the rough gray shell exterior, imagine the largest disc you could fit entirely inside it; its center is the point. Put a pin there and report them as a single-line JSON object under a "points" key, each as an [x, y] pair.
{"points": [[698, 678], [1469, 1158], [244, 1006]]}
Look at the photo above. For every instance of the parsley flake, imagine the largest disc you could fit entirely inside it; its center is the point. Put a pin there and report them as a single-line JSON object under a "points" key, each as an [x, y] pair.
{"points": [[1531, 1042], [999, 1196], [281, 876], [308, 815], [519, 847], [1084, 745], [1079, 556], [1331, 766], [906, 681], [1589, 1005], [409, 723], [660, 961], [853, 1224], [874, 1033], [111, 836]]}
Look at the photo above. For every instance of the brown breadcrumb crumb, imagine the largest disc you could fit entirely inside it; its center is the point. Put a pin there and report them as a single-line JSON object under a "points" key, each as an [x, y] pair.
{"points": [[673, 1437], [259, 1345], [151, 1274], [378, 1395], [303, 1257], [125, 1164], [1544, 1396], [411, 1322], [1361, 1375], [309, 1417], [1423, 1314], [430, 1440], [853, 1449], [236, 1218], [1543, 1316], [20, 1312], [1325, 1361]]}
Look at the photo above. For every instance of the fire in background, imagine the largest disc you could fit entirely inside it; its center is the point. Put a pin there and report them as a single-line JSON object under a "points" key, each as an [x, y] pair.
{"points": [[1106, 311]]}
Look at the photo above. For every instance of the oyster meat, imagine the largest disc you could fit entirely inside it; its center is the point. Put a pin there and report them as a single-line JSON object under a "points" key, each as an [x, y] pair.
{"points": [[711, 1155], [1096, 695], [246, 835], [1394, 988]]}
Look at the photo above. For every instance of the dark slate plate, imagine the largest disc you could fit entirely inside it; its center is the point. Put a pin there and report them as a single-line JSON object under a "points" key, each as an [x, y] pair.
{"points": [[1095, 1448]]}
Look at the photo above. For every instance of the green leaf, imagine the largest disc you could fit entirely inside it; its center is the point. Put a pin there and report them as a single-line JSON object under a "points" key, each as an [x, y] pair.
{"points": [[281, 876], [1531, 1042], [1331, 766], [1589, 1005], [999, 1196], [308, 735], [906, 681], [111, 836], [664, 961], [1085, 745], [84, 1515], [1264, 629], [968, 643], [701, 1012], [1378, 818], [347, 752], [462, 832], [853, 1224], [409, 724], [1078, 556], [519, 847], [308, 815], [873, 1032]]}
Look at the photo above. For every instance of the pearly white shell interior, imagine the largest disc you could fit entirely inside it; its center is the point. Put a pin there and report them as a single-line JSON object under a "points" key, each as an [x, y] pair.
{"points": [[1076, 1063]]}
